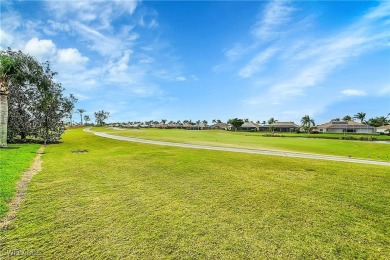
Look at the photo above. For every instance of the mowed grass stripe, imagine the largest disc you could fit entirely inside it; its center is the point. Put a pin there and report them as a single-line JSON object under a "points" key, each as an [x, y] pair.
{"points": [[355, 149], [134, 200]]}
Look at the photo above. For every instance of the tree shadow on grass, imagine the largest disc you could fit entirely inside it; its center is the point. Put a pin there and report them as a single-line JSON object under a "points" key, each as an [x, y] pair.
{"points": [[10, 147]]}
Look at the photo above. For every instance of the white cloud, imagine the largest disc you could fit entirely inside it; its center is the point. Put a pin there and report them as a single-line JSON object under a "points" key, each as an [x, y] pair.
{"points": [[385, 91], [353, 92], [181, 78], [146, 60], [274, 15], [194, 78], [381, 11], [41, 49], [149, 20], [101, 13], [314, 63], [71, 58], [10, 21], [104, 45], [129, 77], [255, 65], [121, 65], [54, 27], [6, 39], [302, 67]]}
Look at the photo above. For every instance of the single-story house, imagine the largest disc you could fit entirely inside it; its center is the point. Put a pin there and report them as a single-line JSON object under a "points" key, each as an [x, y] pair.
{"points": [[345, 127], [249, 126], [201, 126], [280, 127], [173, 125], [383, 129], [223, 126]]}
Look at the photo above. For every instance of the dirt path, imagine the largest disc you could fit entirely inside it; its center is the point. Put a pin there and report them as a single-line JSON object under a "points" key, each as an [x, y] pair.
{"points": [[21, 190], [242, 150]]}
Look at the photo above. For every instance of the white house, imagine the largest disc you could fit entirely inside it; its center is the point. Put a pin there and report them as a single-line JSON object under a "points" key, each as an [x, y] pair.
{"points": [[383, 129], [345, 127]]}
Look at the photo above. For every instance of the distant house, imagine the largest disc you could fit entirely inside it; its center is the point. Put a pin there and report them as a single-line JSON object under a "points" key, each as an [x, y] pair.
{"points": [[249, 126], [201, 126], [187, 126], [280, 127], [223, 126], [173, 125], [383, 129], [130, 126], [345, 127]]}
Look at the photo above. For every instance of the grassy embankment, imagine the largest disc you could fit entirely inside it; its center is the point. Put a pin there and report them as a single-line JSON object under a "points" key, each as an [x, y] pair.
{"points": [[14, 160], [134, 200], [357, 149]]}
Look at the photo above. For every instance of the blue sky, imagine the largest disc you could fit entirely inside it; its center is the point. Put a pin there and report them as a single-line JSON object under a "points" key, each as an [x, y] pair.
{"points": [[179, 60]]}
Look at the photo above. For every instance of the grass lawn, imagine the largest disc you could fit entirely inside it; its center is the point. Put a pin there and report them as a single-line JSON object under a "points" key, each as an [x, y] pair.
{"points": [[336, 135], [13, 162], [129, 200], [357, 149]]}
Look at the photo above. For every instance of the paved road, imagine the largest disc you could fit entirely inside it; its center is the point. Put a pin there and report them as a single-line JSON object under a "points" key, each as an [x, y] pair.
{"points": [[241, 150]]}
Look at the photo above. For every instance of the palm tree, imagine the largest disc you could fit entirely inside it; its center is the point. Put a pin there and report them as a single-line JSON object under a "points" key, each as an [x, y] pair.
{"points": [[272, 121], [204, 122], [382, 120], [87, 119], [361, 116], [307, 122], [197, 123], [81, 111], [347, 118]]}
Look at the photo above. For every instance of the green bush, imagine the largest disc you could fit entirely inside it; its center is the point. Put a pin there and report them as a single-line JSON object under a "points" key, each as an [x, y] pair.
{"points": [[273, 135]]}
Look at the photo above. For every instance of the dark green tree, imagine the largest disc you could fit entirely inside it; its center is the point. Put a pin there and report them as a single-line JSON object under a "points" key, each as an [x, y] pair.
{"points": [[101, 116], [361, 116], [51, 107], [347, 118], [272, 121], [307, 122], [69, 107], [87, 119], [17, 72], [236, 123]]}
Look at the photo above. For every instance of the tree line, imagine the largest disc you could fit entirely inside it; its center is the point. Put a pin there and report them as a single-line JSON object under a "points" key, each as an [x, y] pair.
{"points": [[373, 121], [31, 102], [307, 123]]}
